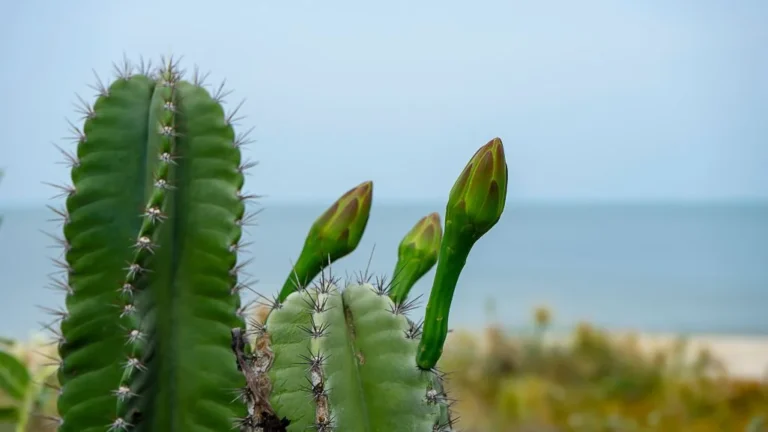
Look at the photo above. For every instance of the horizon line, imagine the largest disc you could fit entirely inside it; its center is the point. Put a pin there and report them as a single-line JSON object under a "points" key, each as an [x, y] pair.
{"points": [[579, 202]]}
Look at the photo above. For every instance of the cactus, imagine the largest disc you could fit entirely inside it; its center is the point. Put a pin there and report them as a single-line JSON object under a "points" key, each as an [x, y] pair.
{"points": [[152, 337], [152, 227], [349, 359]]}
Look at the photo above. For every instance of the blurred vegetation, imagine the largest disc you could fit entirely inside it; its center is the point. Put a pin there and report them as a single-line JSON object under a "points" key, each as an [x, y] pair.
{"points": [[28, 387], [532, 381], [594, 381]]}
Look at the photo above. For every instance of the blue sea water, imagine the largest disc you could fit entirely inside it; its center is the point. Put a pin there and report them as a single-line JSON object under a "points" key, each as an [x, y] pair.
{"points": [[682, 268]]}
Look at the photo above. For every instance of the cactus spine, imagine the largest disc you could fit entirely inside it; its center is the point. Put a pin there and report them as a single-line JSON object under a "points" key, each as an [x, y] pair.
{"points": [[152, 225]]}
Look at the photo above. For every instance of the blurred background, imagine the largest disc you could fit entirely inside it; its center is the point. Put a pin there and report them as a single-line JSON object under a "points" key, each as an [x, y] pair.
{"points": [[628, 278]]}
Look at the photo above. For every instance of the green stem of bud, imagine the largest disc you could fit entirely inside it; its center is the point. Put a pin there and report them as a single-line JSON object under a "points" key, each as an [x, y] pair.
{"points": [[307, 267], [454, 250], [405, 276]]}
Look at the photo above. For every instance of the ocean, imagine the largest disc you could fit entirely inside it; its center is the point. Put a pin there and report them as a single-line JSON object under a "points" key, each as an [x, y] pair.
{"points": [[671, 268]]}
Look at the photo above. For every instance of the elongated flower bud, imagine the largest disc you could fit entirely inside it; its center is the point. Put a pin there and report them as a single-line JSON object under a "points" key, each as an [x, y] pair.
{"points": [[423, 240], [339, 230], [334, 235], [480, 192], [475, 204], [416, 255]]}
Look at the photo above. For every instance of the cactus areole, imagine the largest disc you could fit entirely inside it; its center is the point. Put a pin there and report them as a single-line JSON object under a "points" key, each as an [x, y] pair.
{"points": [[153, 336]]}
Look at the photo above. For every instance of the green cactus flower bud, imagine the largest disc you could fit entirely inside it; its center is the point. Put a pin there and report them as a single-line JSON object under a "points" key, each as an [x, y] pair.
{"points": [[423, 240], [475, 204], [334, 235], [480, 192], [416, 255], [338, 231]]}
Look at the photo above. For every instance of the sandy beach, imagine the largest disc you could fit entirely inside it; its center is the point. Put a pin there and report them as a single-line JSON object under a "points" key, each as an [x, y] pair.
{"points": [[742, 356]]}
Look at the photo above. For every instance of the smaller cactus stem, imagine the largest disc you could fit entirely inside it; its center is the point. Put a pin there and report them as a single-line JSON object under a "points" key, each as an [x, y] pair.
{"points": [[405, 276], [454, 250]]}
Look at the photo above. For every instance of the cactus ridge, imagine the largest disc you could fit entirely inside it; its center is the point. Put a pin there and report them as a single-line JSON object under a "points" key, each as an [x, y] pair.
{"points": [[343, 359], [152, 229]]}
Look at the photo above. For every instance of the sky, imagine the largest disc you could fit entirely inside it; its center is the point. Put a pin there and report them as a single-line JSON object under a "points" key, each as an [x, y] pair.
{"points": [[595, 100]]}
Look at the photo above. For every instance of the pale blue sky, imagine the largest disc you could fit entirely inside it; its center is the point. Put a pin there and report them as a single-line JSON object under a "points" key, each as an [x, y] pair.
{"points": [[594, 99]]}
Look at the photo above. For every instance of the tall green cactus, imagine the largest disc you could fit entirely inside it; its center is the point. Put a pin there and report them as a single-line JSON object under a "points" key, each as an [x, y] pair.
{"points": [[349, 359], [152, 225], [153, 337]]}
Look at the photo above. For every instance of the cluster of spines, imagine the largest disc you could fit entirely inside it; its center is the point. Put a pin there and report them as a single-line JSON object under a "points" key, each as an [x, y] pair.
{"points": [[167, 75], [317, 302], [316, 297]]}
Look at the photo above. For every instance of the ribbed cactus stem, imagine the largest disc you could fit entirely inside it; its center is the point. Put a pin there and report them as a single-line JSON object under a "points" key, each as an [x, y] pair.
{"points": [[152, 232], [334, 360]]}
